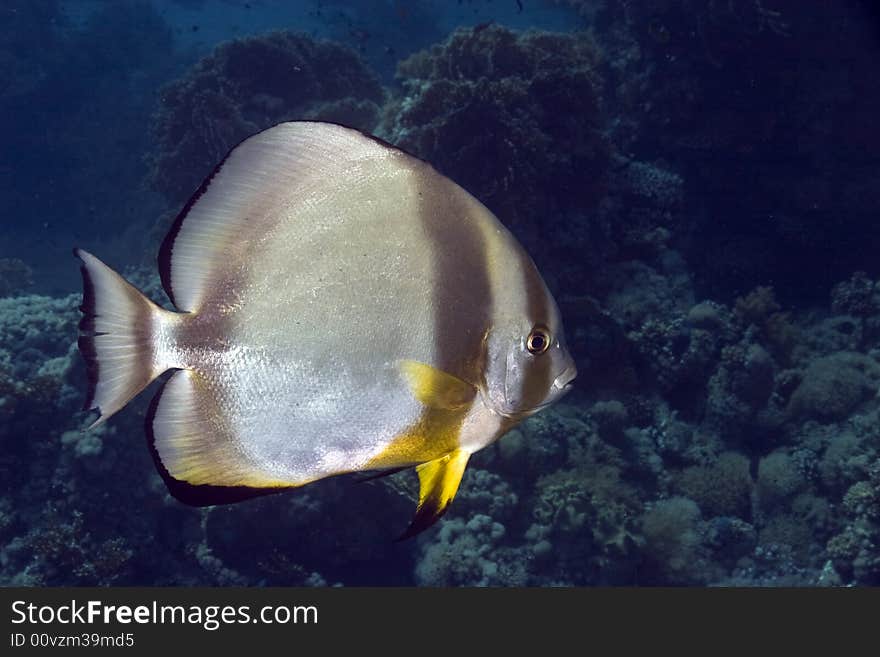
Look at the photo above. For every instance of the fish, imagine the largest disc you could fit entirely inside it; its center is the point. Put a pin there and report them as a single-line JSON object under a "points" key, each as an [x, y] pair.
{"points": [[339, 306]]}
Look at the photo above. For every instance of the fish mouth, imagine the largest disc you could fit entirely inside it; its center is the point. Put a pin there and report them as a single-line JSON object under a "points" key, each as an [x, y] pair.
{"points": [[565, 381], [562, 384]]}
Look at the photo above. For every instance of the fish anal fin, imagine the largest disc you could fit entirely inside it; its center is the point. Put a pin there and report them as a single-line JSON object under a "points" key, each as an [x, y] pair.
{"points": [[198, 459], [435, 388], [438, 482]]}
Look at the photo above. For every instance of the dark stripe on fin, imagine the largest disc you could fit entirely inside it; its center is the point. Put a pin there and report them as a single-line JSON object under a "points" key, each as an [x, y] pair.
{"points": [[86, 342], [167, 247], [203, 494], [424, 518]]}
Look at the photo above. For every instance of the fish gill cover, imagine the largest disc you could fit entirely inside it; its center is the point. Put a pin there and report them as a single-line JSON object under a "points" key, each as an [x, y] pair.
{"points": [[697, 182]]}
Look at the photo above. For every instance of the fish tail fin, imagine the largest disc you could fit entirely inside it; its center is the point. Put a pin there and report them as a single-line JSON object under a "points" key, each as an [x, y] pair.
{"points": [[116, 338]]}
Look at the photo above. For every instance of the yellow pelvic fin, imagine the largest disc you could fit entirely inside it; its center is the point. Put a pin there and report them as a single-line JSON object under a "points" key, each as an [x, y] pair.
{"points": [[438, 483], [435, 388]]}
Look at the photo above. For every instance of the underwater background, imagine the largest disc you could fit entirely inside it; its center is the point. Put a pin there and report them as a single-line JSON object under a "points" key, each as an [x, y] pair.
{"points": [[697, 180]]}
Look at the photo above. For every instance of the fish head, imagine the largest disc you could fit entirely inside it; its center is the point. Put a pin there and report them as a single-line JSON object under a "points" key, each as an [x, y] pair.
{"points": [[529, 366]]}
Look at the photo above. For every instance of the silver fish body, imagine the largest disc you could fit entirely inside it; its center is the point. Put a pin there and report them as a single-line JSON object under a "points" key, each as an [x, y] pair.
{"points": [[344, 307]]}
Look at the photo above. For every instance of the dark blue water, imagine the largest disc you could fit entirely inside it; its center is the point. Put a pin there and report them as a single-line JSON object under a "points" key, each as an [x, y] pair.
{"points": [[698, 182]]}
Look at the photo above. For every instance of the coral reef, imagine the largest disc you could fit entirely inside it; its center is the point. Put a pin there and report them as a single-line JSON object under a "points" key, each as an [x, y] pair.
{"points": [[833, 386], [721, 488], [780, 161], [854, 550], [722, 430], [470, 553], [674, 544], [720, 458], [778, 479], [220, 101]]}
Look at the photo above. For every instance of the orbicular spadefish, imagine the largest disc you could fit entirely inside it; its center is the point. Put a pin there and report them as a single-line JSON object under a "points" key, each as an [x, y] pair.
{"points": [[341, 307]]}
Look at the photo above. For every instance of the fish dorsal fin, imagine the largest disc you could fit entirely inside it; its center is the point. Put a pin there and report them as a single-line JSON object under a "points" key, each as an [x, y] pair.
{"points": [[248, 192], [438, 483], [435, 388]]}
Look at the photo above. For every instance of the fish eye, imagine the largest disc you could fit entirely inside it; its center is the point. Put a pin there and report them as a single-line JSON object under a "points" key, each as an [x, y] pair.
{"points": [[538, 341]]}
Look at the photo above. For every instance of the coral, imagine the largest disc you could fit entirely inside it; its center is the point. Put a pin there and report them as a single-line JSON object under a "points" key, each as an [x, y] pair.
{"points": [[630, 239], [677, 356], [788, 533], [469, 553], [779, 478], [37, 360], [641, 292], [647, 184], [86, 443], [859, 296], [677, 441], [863, 499], [15, 277], [845, 461], [539, 446], [68, 552], [832, 334], [723, 488], [220, 575], [526, 103], [248, 85], [602, 350], [730, 539], [708, 315], [741, 389], [674, 549], [584, 518], [757, 306], [485, 493], [858, 299], [854, 549], [760, 309], [833, 386], [611, 418], [44, 324]]}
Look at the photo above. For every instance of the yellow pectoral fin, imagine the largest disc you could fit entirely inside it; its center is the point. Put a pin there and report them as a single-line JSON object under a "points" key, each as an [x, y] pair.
{"points": [[435, 388], [438, 483]]}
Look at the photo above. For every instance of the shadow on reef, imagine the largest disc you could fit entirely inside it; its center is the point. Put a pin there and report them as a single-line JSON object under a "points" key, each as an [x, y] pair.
{"points": [[719, 433], [766, 108]]}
